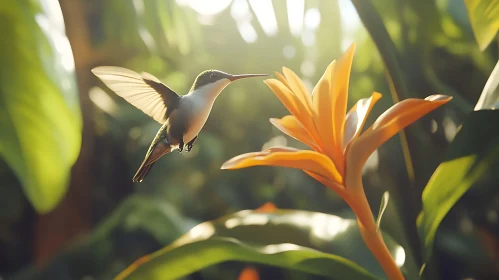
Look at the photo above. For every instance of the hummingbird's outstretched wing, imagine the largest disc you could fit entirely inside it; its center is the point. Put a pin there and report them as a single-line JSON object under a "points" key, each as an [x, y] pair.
{"points": [[143, 91]]}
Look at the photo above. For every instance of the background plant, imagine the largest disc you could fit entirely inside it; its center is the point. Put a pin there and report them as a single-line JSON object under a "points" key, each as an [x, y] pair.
{"points": [[91, 220]]}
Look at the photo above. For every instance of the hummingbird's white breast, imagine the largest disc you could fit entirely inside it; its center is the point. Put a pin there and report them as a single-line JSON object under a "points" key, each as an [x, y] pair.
{"points": [[198, 104]]}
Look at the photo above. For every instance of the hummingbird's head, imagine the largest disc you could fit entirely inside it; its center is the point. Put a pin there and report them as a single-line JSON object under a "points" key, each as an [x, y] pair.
{"points": [[217, 79]]}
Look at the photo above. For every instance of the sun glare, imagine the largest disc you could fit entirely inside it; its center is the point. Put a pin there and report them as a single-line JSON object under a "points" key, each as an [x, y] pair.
{"points": [[328, 228], [295, 16], [207, 8], [265, 15], [247, 32], [400, 256], [350, 22], [240, 11], [312, 18]]}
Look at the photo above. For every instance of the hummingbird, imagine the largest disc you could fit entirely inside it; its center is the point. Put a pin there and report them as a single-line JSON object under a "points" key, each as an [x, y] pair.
{"points": [[181, 117]]}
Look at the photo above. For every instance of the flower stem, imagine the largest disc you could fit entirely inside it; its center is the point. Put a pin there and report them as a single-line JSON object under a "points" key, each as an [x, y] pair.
{"points": [[372, 237], [376, 244]]}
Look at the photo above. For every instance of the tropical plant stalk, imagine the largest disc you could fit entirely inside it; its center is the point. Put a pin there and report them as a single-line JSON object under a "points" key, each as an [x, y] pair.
{"points": [[371, 235], [355, 197], [376, 244]]}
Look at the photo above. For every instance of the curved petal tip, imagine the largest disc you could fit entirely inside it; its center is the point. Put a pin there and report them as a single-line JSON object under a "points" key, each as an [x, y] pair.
{"points": [[439, 97], [351, 47], [234, 162], [376, 95], [271, 80]]}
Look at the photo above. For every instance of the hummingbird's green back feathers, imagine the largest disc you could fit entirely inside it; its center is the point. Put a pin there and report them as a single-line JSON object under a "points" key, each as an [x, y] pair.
{"points": [[143, 91]]}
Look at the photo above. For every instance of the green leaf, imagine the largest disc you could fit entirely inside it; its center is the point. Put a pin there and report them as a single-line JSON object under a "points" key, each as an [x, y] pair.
{"points": [[382, 208], [311, 242], [374, 24], [484, 18], [473, 153], [489, 99], [187, 259], [39, 110]]}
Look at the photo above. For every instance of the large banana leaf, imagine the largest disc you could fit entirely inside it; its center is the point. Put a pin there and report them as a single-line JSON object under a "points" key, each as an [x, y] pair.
{"points": [[40, 120], [311, 242], [473, 153]]}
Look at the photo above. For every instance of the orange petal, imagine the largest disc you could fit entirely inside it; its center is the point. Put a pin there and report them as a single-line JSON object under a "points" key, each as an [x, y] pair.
{"points": [[357, 116], [323, 115], [413, 105], [388, 124], [282, 79], [339, 91], [298, 87], [287, 98], [321, 95], [336, 187], [294, 106], [287, 157], [292, 127]]}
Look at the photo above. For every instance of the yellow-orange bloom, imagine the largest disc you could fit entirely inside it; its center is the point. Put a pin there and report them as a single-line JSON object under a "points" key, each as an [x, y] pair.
{"points": [[339, 147], [320, 121]]}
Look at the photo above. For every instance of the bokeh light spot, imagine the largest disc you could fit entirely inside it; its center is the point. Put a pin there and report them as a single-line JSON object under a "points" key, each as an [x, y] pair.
{"points": [[312, 18], [307, 68], [289, 51], [399, 256]]}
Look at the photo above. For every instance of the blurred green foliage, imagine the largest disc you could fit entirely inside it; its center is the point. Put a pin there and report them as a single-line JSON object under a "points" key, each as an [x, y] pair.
{"points": [[111, 247], [428, 47], [39, 107], [484, 20], [473, 153]]}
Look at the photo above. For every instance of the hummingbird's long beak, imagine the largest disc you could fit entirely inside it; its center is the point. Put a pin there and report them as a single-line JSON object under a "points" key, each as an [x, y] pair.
{"points": [[242, 76]]}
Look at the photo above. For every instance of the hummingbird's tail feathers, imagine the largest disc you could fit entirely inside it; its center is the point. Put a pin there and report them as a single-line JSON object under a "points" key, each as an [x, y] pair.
{"points": [[157, 150], [142, 172]]}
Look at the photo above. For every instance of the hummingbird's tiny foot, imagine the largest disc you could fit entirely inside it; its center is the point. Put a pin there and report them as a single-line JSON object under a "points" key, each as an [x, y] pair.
{"points": [[181, 146], [191, 143]]}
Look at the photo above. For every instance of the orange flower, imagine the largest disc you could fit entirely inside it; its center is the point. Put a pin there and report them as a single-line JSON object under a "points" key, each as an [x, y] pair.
{"points": [[320, 121], [339, 148]]}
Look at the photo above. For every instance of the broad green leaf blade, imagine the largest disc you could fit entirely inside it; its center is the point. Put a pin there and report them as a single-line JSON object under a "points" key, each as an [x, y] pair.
{"points": [[473, 153], [39, 110], [191, 257], [316, 243], [484, 18], [489, 99], [384, 202]]}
